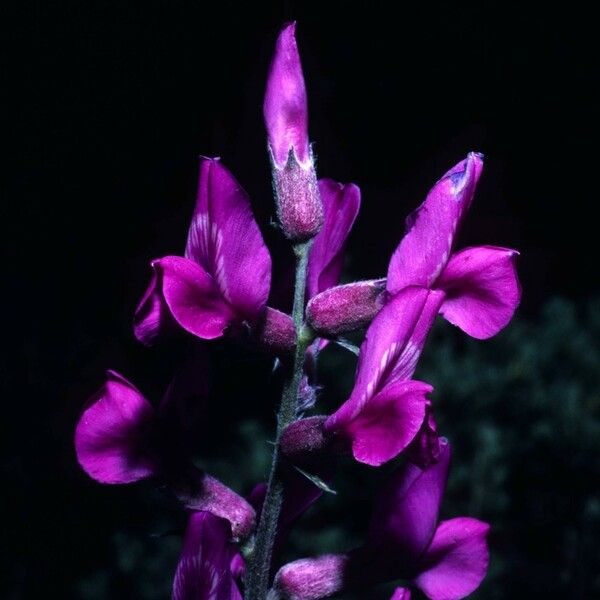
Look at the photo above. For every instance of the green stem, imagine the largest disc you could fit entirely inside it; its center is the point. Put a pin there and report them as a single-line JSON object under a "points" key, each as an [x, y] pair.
{"points": [[257, 581]]}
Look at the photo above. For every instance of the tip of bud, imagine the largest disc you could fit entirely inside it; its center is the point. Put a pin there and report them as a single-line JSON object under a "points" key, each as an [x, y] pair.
{"points": [[466, 173], [285, 106]]}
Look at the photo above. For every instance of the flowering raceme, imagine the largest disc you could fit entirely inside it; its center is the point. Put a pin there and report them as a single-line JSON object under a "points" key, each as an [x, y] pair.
{"points": [[220, 288]]}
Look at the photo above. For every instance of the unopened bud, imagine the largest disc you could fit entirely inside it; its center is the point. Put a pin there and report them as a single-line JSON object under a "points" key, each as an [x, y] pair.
{"points": [[285, 110], [312, 578], [274, 333], [345, 307], [304, 438]]}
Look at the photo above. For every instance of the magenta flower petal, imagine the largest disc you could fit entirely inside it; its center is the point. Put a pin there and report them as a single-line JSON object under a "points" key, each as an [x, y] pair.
{"points": [[388, 422], [112, 437], [425, 249], [193, 298], [285, 107], [203, 571], [401, 594], [394, 342], [406, 512], [152, 317], [482, 290], [226, 242], [381, 418], [456, 561], [341, 204]]}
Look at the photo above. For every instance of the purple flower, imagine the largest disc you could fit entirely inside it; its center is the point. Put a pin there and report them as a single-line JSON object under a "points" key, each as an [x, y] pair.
{"points": [[223, 282], [209, 563], [386, 410], [285, 111], [446, 560], [121, 438], [480, 285]]}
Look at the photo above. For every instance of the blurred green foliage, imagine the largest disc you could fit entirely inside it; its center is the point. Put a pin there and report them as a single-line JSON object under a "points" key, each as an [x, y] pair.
{"points": [[523, 414]]}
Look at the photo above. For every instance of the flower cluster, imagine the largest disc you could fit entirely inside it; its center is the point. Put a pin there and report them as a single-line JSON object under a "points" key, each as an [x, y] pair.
{"points": [[220, 288]]}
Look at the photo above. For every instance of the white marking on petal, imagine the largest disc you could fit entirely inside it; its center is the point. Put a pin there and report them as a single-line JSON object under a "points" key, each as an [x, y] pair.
{"points": [[439, 268], [407, 361], [206, 236], [387, 358]]}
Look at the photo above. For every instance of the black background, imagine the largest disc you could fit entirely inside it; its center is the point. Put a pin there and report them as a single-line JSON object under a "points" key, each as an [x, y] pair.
{"points": [[115, 101]]}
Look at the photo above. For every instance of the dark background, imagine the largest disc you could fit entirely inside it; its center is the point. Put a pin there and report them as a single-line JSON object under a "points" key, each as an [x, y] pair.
{"points": [[113, 103]]}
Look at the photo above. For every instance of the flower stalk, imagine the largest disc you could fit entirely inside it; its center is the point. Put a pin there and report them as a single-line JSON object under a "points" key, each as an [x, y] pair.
{"points": [[257, 581]]}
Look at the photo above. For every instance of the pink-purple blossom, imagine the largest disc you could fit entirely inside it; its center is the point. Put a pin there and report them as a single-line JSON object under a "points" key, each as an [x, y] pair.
{"points": [[386, 410], [121, 438], [446, 560], [480, 284], [222, 283]]}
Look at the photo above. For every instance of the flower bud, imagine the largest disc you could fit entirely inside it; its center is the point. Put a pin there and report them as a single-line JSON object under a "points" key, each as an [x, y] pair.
{"points": [[274, 333], [312, 578], [304, 438], [345, 307], [299, 207]]}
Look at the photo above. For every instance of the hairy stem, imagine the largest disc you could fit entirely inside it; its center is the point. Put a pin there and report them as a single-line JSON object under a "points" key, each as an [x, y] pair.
{"points": [[257, 581]]}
